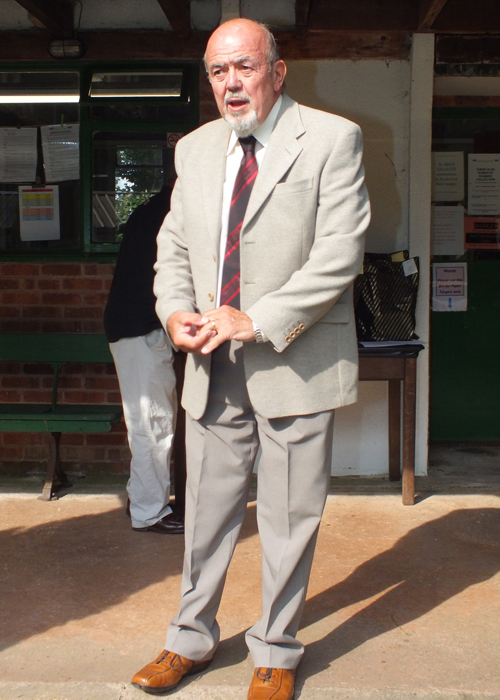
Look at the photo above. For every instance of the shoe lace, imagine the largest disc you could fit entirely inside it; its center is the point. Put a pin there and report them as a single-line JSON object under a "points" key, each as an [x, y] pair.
{"points": [[265, 674], [174, 661]]}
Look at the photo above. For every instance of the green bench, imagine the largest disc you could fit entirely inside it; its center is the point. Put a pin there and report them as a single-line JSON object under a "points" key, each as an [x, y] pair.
{"points": [[57, 350]]}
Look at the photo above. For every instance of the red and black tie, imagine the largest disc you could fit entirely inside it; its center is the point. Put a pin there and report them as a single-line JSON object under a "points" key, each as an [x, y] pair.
{"points": [[230, 289]]}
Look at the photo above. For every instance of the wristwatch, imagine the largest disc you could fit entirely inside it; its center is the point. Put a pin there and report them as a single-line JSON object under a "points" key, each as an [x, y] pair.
{"points": [[259, 336]]}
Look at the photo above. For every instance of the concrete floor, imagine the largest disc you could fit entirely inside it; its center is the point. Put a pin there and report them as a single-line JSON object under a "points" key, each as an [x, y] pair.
{"points": [[404, 602]]}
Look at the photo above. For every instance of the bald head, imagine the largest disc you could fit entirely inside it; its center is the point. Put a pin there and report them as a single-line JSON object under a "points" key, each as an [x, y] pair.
{"points": [[245, 73]]}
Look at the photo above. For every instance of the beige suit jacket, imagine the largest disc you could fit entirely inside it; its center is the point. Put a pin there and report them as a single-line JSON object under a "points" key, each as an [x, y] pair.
{"points": [[301, 248]]}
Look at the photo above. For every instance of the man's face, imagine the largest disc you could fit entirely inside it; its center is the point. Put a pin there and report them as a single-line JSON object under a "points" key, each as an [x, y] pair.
{"points": [[245, 89]]}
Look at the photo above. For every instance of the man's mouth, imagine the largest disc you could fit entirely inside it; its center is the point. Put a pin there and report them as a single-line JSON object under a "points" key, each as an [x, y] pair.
{"points": [[236, 104]]}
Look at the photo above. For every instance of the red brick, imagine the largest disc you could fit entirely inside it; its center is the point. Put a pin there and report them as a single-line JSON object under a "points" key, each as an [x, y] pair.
{"points": [[38, 368], [104, 439], [83, 397], [98, 298], [42, 312], [101, 269], [115, 455], [83, 312], [10, 367], [10, 396], [75, 439], [60, 298], [97, 454], [101, 383], [11, 312], [9, 283], [84, 283], [19, 269], [47, 284], [92, 326], [25, 438], [10, 453], [20, 382], [19, 298], [113, 397], [62, 269], [71, 382], [40, 396], [39, 452], [61, 326], [19, 326], [28, 283]]}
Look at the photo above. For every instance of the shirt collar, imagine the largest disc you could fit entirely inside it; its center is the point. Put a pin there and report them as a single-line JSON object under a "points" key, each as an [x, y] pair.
{"points": [[263, 132]]}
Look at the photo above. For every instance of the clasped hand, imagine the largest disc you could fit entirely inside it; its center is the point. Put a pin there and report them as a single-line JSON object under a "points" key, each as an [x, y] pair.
{"points": [[202, 334]]}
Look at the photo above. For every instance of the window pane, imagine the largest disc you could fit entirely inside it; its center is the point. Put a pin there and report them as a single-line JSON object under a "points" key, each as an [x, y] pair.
{"points": [[39, 87], [127, 170], [137, 84]]}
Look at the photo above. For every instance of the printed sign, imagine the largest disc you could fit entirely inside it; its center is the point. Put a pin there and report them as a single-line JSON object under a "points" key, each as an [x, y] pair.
{"points": [[482, 233], [449, 287]]}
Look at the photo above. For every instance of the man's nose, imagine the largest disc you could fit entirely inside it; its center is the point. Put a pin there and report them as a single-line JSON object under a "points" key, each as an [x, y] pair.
{"points": [[233, 79]]}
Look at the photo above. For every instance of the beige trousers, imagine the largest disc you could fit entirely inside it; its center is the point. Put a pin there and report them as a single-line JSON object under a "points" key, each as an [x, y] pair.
{"points": [[293, 480]]}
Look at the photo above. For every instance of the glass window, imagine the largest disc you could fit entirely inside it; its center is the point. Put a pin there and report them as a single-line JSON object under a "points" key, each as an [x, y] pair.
{"points": [[127, 169], [136, 84]]}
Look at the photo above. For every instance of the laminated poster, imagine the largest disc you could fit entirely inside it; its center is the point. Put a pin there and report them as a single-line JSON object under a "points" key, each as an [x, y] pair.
{"points": [[39, 213], [484, 184], [447, 176], [61, 152], [447, 230], [449, 287], [18, 154]]}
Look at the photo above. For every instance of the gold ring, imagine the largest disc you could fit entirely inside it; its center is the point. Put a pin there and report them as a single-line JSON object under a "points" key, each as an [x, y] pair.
{"points": [[214, 325]]}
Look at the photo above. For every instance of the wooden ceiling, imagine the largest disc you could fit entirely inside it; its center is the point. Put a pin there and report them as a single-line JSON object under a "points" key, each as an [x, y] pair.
{"points": [[323, 29]]}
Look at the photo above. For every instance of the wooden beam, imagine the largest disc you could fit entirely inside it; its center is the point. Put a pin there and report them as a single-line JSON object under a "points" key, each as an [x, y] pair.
{"points": [[160, 45], [55, 15], [178, 14], [428, 10], [302, 16]]}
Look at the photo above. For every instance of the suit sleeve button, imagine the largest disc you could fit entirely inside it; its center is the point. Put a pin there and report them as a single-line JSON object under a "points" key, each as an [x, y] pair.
{"points": [[301, 327], [287, 338]]}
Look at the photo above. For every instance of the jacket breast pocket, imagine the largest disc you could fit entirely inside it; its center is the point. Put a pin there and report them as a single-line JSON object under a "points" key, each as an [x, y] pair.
{"points": [[293, 187]]}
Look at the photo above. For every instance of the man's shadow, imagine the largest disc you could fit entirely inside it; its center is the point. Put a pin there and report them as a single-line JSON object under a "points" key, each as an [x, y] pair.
{"points": [[429, 565], [73, 568]]}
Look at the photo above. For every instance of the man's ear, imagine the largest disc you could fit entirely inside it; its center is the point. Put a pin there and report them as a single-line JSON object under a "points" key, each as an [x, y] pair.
{"points": [[279, 75]]}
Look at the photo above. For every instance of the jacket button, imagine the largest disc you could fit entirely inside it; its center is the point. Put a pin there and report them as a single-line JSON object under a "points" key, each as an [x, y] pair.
{"points": [[287, 338], [210, 297], [214, 257]]}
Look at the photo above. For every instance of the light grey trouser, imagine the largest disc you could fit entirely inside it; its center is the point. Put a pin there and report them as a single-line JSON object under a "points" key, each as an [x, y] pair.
{"points": [[293, 480], [145, 370]]}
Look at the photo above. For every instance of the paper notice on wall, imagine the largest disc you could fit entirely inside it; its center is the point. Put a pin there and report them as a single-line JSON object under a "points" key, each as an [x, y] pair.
{"points": [[39, 213], [484, 184], [449, 287], [447, 230], [447, 176], [18, 155], [61, 152], [482, 233]]}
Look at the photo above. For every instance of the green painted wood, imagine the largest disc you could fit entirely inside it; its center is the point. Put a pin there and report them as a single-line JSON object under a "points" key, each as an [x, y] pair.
{"points": [[465, 362], [54, 347]]}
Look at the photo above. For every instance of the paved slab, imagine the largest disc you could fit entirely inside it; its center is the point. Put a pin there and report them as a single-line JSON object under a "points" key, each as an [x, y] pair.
{"points": [[403, 602]]}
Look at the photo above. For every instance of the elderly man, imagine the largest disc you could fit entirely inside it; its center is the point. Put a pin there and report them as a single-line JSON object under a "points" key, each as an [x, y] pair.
{"points": [[255, 265]]}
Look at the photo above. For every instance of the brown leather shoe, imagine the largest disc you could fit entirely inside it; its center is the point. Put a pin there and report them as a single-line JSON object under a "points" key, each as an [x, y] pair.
{"points": [[171, 524], [275, 683], [165, 672]]}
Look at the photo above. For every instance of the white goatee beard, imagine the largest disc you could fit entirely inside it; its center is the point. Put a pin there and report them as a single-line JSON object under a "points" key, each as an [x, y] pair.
{"points": [[244, 125]]}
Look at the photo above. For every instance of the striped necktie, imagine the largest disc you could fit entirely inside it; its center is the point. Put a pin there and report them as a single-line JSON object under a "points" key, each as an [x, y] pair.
{"points": [[230, 288]]}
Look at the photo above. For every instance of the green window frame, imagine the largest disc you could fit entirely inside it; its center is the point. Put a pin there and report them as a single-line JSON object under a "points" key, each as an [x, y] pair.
{"points": [[145, 115]]}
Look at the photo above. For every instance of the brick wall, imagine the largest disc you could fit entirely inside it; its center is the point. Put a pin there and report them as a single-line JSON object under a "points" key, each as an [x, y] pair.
{"points": [[64, 297], [58, 298]]}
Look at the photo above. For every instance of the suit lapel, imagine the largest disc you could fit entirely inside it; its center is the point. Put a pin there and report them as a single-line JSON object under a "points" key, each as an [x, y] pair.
{"points": [[282, 151], [212, 165]]}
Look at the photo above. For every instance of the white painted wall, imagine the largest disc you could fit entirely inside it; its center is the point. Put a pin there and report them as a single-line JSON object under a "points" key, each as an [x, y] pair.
{"points": [[376, 95]]}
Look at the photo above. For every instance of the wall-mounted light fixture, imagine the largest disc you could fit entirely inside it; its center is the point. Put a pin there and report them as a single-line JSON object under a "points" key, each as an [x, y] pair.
{"points": [[66, 48]]}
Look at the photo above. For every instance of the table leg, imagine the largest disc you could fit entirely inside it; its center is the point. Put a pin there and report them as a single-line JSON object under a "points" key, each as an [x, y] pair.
{"points": [[409, 417], [394, 429]]}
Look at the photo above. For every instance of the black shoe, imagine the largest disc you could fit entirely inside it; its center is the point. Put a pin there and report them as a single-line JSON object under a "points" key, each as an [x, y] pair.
{"points": [[171, 524]]}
